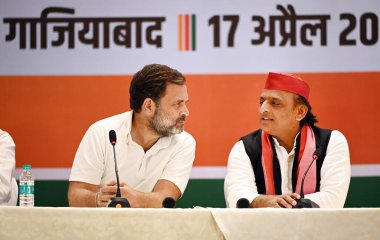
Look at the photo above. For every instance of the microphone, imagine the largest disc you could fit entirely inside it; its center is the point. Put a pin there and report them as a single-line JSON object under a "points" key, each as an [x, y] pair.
{"points": [[242, 203], [168, 202], [118, 201], [303, 202]]}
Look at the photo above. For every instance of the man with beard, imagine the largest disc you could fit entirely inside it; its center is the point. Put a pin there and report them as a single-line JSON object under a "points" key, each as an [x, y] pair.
{"points": [[266, 166], [154, 154]]}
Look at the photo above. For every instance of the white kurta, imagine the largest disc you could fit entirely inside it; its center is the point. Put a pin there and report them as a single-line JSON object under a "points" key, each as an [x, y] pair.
{"points": [[335, 174], [8, 184], [170, 158]]}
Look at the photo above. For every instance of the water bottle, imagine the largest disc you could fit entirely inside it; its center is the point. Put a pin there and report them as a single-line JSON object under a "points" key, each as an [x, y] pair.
{"points": [[26, 187]]}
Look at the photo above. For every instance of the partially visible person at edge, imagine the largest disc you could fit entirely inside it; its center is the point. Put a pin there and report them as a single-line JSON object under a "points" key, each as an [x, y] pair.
{"points": [[154, 154], [8, 184], [266, 166]]}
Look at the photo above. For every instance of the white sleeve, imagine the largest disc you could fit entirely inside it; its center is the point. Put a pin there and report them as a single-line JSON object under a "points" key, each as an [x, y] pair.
{"points": [[335, 174], [178, 168], [240, 180], [8, 188], [89, 162]]}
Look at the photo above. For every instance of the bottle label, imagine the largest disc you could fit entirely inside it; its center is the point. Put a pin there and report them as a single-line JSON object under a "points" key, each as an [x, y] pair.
{"points": [[27, 189], [23, 189], [30, 189]]}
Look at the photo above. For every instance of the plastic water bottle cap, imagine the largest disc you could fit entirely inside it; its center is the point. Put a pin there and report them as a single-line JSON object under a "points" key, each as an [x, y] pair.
{"points": [[27, 166]]}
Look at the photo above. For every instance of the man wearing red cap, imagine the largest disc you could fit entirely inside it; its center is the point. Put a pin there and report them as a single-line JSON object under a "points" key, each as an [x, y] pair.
{"points": [[266, 167]]}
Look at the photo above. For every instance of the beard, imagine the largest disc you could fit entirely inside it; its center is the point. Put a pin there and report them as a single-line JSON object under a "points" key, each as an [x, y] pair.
{"points": [[164, 126]]}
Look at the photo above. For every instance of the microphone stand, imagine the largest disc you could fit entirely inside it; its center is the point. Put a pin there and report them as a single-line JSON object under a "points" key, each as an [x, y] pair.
{"points": [[303, 202], [118, 201]]}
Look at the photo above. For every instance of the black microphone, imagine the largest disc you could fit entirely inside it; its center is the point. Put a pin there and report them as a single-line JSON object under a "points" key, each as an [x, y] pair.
{"points": [[242, 203], [303, 202], [168, 202], [118, 201]]}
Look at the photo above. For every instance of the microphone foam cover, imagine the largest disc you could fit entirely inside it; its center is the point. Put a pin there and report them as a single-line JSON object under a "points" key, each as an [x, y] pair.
{"points": [[112, 135], [168, 202], [242, 203]]}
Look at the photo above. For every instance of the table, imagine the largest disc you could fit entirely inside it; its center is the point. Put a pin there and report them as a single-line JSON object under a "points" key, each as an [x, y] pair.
{"points": [[106, 223], [197, 223], [305, 224]]}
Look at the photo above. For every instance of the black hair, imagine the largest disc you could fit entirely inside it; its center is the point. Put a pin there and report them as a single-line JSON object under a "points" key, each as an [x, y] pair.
{"points": [[310, 119], [151, 82]]}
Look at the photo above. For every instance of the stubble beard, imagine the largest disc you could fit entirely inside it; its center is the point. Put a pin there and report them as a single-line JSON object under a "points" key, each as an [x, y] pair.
{"points": [[164, 126]]}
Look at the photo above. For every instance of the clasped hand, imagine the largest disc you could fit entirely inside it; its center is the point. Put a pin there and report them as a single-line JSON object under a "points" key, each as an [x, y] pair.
{"points": [[286, 200], [107, 192]]}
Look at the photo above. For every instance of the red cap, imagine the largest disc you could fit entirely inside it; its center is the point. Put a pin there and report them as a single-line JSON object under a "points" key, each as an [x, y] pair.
{"points": [[287, 82]]}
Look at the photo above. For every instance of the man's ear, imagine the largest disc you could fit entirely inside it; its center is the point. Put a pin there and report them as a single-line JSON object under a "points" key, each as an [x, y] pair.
{"points": [[148, 107], [301, 112]]}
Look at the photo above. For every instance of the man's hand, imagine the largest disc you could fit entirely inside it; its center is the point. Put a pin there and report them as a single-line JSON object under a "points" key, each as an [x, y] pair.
{"points": [[276, 201], [137, 199], [106, 193]]}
